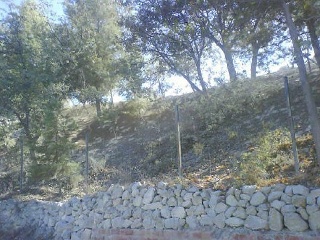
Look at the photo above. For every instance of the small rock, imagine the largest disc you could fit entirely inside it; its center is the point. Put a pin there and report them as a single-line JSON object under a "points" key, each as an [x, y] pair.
{"points": [[220, 207], [219, 220], [240, 213], [299, 201], [231, 201], [257, 199], [178, 212], [249, 190], [149, 195], [299, 189], [277, 204], [234, 222], [274, 196]]}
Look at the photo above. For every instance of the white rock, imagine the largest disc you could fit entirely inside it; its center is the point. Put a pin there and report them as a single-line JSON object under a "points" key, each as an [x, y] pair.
{"points": [[234, 222], [294, 222], [192, 222], [137, 201], [178, 212], [314, 221], [274, 196], [257, 199], [299, 189], [149, 195], [255, 223], [275, 220], [249, 190], [231, 201]]}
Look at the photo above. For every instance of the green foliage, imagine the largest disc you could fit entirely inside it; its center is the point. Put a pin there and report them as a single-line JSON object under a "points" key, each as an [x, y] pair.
{"points": [[136, 107], [267, 159]]}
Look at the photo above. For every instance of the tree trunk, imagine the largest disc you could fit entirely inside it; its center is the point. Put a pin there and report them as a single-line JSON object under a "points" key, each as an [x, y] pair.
{"points": [[230, 65], [312, 110], [202, 82], [98, 107], [314, 40], [254, 60]]}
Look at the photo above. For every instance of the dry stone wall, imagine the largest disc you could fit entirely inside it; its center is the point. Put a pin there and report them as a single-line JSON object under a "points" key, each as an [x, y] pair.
{"points": [[277, 208]]}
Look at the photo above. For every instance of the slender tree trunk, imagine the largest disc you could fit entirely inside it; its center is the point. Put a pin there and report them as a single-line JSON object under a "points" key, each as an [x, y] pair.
{"points": [[202, 82], [254, 60], [98, 107], [312, 110], [314, 40], [230, 65]]}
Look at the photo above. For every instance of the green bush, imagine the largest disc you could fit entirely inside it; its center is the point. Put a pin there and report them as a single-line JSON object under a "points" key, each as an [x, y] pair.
{"points": [[267, 159]]}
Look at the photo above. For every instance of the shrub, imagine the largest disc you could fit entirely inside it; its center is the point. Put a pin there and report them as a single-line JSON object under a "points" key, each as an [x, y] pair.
{"points": [[267, 159]]}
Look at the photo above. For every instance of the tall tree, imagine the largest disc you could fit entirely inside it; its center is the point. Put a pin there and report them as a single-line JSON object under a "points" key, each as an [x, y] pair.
{"points": [[28, 66], [94, 41], [312, 110]]}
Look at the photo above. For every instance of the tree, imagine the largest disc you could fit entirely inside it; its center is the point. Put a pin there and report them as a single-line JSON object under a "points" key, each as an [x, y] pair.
{"points": [[28, 67], [312, 110], [93, 43], [307, 12], [164, 29]]}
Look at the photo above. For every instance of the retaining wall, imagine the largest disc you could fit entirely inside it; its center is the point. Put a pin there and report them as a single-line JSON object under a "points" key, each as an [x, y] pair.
{"points": [[146, 212]]}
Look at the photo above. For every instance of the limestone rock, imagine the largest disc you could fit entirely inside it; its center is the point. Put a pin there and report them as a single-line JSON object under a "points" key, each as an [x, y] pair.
{"points": [[220, 207], [240, 213], [299, 201], [277, 204], [234, 222], [257, 199], [294, 222], [314, 221], [219, 220], [255, 223], [178, 212], [275, 220], [299, 189], [274, 196], [149, 195], [249, 190], [231, 201]]}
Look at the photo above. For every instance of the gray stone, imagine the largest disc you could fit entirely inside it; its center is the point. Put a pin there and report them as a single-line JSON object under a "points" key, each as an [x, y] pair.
{"points": [[152, 206], [213, 201], [279, 187], [287, 199], [257, 199], [287, 209], [314, 221], [263, 214], [196, 200], [242, 203], [136, 224], [148, 223], [137, 201], [294, 222], [289, 190], [106, 224], [234, 222], [219, 220], [303, 213], [274, 196], [149, 195], [299, 189], [231, 201], [117, 222], [255, 223], [299, 201], [117, 192], [265, 190], [220, 207], [318, 201], [228, 213], [275, 220], [312, 208], [251, 210], [86, 234], [186, 204], [240, 213], [178, 212], [249, 190], [165, 212], [277, 204], [245, 197], [173, 223], [206, 220], [192, 222], [172, 202]]}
